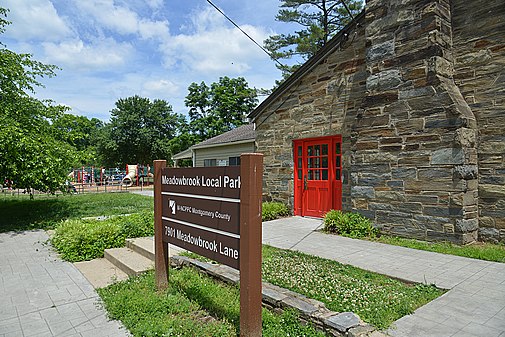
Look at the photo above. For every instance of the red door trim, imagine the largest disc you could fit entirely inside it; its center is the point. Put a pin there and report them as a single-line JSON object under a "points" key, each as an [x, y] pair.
{"points": [[333, 198]]}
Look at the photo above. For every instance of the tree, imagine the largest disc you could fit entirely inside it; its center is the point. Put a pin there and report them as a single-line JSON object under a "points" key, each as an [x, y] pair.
{"points": [[82, 133], [139, 132], [219, 108], [30, 154], [320, 19]]}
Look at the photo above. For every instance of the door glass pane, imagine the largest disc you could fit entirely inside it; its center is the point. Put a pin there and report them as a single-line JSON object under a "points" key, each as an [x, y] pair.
{"points": [[337, 147], [338, 164], [299, 150], [317, 150], [316, 164], [299, 162], [324, 174], [310, 175], [310, 162], [309, 151], [325, 162], [299, 174], [337, 175], [316, 175], [325, 149]]}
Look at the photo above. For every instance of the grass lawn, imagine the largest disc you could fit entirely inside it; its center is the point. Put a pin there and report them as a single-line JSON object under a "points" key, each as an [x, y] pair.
{"points": [[478, 250], [193, 305], [45, 211], [377, 299]]}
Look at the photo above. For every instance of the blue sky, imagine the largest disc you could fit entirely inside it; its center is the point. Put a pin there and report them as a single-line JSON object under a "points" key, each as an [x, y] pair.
{"points": [[111, 49]]}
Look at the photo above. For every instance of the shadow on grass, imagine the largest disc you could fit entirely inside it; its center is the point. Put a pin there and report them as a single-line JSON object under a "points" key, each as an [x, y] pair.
{"points": [[23, 214], [45, 211]]}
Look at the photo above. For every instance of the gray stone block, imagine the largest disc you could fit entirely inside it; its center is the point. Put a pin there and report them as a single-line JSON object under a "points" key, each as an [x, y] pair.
{"points": [[365, 192], [343, 321], [466, 172], [448, 156], [381, 51], [466, 225], [489, 234], [404, 173], [272, 294], [304, 307]]}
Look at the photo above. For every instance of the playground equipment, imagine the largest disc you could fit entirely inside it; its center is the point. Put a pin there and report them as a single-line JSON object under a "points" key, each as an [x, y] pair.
{"points": [[87, 178], [136, 172], [131, 174]]}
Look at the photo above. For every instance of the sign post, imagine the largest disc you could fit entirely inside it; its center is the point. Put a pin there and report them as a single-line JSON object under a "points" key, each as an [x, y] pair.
{"points": [[160, 247], [251, 171], [214, 212]]}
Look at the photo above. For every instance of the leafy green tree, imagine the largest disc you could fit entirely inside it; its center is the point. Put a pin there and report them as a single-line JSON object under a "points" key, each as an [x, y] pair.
{"points": [[82, 133], [139, 132], [320, 21], [219, 107], [30, 154]]}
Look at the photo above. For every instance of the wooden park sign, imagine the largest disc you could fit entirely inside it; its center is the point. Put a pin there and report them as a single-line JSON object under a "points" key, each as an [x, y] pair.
{"points": [[214, 212]]}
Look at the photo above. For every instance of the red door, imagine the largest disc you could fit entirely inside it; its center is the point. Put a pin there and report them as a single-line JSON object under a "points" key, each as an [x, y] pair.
{"points": [[318, 170]]}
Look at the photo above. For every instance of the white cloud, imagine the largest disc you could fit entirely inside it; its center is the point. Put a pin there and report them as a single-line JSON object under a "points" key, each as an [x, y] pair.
{"points": [[157, 87], [35, 19], [120, 19], [153, 29], [75, 53], [154, 4], [214, 46], [123, 20]]}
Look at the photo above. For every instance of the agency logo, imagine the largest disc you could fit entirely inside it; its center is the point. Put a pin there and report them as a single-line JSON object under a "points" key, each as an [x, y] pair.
{"points": [[172, 206]]}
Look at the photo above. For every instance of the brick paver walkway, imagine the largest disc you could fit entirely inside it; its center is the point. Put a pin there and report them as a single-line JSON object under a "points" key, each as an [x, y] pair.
{"points": [[41, 295], [474, 306]]}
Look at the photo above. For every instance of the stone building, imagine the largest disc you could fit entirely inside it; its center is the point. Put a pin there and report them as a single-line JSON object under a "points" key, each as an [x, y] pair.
{"points": [[400, 117]]}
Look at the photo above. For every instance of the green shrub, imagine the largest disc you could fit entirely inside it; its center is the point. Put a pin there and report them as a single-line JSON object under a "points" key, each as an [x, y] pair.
{"points": [[81, 240], [273, 210], [349, 224]]}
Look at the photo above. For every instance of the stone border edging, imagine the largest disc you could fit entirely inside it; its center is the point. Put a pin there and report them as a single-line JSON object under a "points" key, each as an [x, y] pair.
{"points": [[345, 324]]}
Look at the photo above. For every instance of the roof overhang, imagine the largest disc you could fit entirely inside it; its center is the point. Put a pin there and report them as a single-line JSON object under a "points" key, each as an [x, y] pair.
{"points": [[245, 141], [186, 154]]}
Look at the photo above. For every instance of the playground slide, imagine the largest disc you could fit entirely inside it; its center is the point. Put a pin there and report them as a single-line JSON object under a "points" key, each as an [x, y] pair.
{"points": [[129, 179]]}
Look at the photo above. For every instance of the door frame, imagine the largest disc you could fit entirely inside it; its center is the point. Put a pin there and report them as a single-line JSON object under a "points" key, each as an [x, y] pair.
{"points": [[335, 185]]}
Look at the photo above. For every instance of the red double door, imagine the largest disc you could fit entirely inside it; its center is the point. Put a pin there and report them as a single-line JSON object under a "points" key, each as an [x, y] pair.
{"points": [[318, 175]]}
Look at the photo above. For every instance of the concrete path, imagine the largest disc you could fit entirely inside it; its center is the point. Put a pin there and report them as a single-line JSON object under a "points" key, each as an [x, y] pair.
{"points": [[41, 295], [474, 306]]}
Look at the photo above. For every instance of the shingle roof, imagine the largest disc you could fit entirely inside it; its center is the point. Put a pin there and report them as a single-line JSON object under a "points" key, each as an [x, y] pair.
{"points": [[242, 133]]}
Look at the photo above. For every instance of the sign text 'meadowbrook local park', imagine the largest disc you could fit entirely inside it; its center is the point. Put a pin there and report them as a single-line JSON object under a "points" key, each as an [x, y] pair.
{"points": [[201, 211]]}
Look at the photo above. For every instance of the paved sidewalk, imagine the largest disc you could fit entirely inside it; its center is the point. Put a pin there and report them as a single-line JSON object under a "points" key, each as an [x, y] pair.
{"points": [[40, 295], [474, 306]]}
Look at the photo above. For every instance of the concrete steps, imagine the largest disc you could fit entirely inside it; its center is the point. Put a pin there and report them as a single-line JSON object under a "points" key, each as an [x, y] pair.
{"points": [[129, 261], [142, 246], [100, 272], [119, 263]]}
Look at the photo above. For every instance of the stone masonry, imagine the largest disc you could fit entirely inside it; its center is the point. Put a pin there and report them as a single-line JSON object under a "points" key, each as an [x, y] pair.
{"points": [[416, 88]]}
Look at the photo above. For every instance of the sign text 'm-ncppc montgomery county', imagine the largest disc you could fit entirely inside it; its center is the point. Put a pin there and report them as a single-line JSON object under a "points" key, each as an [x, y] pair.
{"points": [[203, 181]]}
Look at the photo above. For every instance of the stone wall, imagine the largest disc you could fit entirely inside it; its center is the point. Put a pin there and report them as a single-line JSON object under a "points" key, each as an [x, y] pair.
{"points": [[320, 104], [426, 186], [479, 51], [417, 93]]}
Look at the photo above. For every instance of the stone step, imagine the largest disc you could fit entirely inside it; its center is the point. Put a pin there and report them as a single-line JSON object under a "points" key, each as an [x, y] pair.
{"points": [[145, 247], [100, 272], [128, 261], [142, 246]]}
